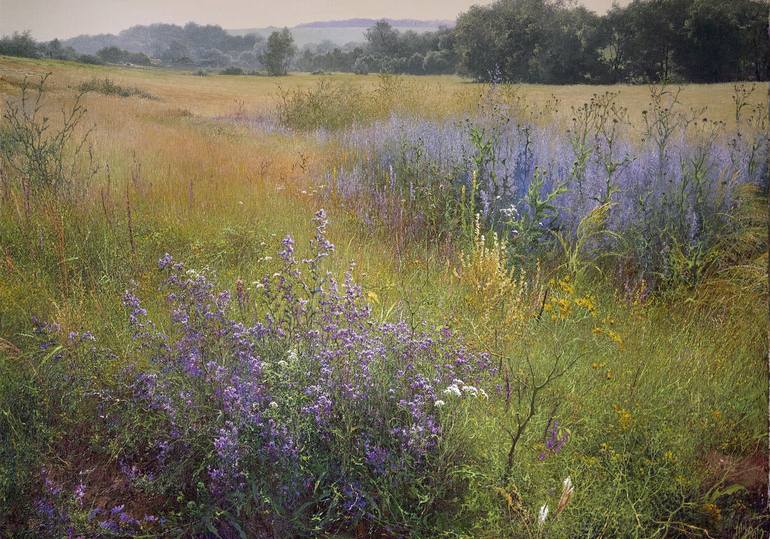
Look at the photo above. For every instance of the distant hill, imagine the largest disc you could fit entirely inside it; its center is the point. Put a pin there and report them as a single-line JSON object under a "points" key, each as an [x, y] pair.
{"points": [[358, 23], [344, 31]]}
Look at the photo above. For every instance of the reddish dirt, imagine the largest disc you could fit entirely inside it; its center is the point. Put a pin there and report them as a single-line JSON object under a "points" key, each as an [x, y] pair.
{"points": [[749, 471]]}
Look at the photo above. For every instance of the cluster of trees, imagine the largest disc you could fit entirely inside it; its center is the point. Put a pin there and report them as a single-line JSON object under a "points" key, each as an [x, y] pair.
{"points": [[561, 42], [386, 50], [184, 46], [553, 41], [544, 41], [114, 55], [23, 44], [188, 46]]}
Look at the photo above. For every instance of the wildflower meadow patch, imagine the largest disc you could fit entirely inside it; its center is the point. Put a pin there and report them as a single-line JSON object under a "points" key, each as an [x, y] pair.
{"points": [[525, 311]]}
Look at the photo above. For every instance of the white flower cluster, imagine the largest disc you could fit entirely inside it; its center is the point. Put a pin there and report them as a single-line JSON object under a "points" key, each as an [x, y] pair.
{"points": [[542, 514], [453, 390], [566, 496], [457, 388]]}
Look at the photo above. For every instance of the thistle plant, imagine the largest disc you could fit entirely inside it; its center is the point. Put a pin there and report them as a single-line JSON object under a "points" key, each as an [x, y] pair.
{"points": [[611, 121], [579, 135]]}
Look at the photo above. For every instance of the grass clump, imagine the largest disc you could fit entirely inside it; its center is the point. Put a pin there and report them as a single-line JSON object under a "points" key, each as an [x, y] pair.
{"points": [[107, 86], [334, 105]]}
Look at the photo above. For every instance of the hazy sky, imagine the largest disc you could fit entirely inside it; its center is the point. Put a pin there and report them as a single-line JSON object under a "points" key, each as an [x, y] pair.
{"points": [[66, 18]]}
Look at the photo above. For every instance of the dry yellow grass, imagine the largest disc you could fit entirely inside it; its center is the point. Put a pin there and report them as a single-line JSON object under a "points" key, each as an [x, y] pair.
{"points": [[438, 95]]}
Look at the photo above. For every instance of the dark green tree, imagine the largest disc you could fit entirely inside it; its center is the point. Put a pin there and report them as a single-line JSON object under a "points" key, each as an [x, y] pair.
{"points": [[724, 41], [19, 44], [476, 35], [383, 40], [111, 55], [528, 41], [279, 52]]}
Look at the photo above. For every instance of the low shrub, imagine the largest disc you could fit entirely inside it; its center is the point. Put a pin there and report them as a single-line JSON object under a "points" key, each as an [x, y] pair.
{"points": [[332, 105], [37, 154], [232, 70], [90, 59], [326, 105], [109, 87]]}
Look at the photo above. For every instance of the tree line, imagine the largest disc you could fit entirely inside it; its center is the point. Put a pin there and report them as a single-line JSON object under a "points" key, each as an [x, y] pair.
{"points": [[386, 50], [538, 41], [188, 46], [561, 42], [24, 45], [552, 41]]}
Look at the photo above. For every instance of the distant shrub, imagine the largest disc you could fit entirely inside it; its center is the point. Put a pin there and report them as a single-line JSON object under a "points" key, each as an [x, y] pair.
{"points": [[201, 73], [232, 71], [115, 55], [108, 87], [90, 59], [362, 65], [438, 62]]}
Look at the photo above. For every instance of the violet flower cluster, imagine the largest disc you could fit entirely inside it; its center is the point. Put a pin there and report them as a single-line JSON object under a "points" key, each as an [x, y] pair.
{"points": [[667, 196], [292, 402]]}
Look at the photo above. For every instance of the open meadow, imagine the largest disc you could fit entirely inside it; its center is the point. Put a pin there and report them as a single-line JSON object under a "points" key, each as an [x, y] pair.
{"points": [[379, 306]]}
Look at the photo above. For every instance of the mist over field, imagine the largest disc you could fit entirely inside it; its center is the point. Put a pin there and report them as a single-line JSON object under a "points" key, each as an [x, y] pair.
{"points": [[494, 270]]}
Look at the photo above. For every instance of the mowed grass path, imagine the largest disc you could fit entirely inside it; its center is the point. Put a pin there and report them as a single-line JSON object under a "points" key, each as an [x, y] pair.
{"points": [[176, 177]]}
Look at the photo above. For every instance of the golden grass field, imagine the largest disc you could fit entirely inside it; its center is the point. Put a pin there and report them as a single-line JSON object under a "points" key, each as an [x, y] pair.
{"points": [[441, 95]]}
